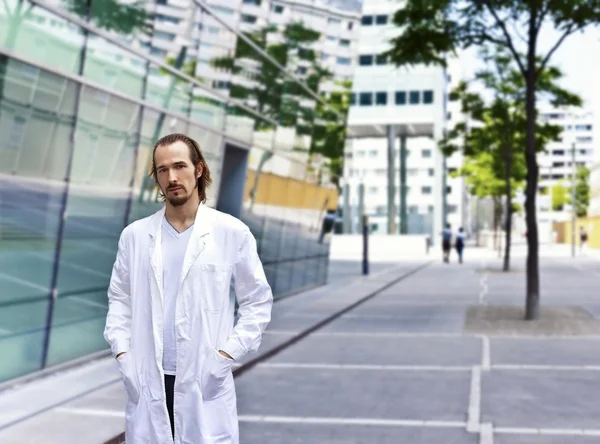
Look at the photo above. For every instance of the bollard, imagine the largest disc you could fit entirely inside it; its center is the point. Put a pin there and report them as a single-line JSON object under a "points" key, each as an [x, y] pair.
{"points": [[365, 262]]}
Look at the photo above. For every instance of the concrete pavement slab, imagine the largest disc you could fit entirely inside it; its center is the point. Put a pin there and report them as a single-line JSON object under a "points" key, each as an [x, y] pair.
{"points": [[541, 399], [545, 351], [384, 350], [396, 324], [351, 393], [267, 433], [500, 438]]}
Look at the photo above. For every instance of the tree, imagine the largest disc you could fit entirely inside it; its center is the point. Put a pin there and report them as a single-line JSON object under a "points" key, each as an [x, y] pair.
{"points": [[582, 191], [499, 126], [559, 196], [429, 33]]}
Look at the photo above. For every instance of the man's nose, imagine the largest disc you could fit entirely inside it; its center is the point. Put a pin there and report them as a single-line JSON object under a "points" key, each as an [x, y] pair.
{"points": [[172, 176]]}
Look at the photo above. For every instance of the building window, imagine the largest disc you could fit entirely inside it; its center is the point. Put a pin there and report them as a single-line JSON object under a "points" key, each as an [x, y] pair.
{"points": [[381, 19], [365, 60], [365, 99], [381, 59], [381, 98], [430, 208], [431, 172], [428, 97], [224, 10], [451, 209], [353, 99], [583, 127], [248, 18], [164, 35], [350, 25], [414, 97], [372, 190], [277, 9], [373, 153], [17, 131], [165, 18], [344, 43], [344, 61], [426, 153], [333, 20], [400, 97], [426, 190], [367, 20], [413, 209], [448, 190], [301, 70], [252, 2], [331, 38]]}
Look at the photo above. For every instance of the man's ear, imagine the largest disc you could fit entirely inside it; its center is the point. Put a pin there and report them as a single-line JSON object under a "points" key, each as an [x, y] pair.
{"points": [[200, 169]]}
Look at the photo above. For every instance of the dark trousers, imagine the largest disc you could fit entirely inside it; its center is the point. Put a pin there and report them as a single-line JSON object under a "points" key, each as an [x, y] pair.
{"points": [[169, 386]]}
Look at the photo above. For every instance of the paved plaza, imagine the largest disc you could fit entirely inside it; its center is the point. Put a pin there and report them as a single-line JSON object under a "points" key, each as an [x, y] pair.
{"points": [[398, 357]]}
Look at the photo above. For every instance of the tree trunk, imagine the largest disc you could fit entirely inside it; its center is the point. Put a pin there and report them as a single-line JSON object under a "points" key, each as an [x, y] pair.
{"points": [[508, 168], [495, 211], [532, 305]]}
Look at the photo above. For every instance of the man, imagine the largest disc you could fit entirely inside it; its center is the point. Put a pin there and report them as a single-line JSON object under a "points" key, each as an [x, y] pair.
{"points": [[170, 321], [446, 242], [583, 237]]}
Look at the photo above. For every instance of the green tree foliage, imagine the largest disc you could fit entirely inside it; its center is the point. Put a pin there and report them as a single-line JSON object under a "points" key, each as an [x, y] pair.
{"points": [[430, 31], [582, 191], [559, 196]]}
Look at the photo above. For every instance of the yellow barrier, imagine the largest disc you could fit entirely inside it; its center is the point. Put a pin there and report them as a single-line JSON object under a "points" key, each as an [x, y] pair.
{"points": [[591, 225], [290, 193]]}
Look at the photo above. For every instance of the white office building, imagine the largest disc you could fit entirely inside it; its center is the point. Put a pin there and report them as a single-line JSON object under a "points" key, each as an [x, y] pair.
{"points": [[556, 164], [401, 107]]}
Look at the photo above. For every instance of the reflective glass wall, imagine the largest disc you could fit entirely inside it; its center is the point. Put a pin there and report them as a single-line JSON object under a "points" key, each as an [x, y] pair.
{"points": [[86, 88]]}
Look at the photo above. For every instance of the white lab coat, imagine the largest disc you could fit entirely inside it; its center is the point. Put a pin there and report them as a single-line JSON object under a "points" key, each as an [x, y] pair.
{"points": [[220, 248]]}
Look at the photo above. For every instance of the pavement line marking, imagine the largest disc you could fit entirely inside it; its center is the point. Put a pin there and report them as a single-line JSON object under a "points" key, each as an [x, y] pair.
{"points": [[486, 434], [91, 412], [474, 413], [545, 367], [286, 365], [546, 431], [351, 421], [393, 335], [486, 355], [8, 277]]}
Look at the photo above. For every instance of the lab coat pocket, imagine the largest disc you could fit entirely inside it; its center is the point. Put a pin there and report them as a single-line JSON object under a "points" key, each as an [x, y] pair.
{"points": [[215, 280], [129, 376], [216, 375]]}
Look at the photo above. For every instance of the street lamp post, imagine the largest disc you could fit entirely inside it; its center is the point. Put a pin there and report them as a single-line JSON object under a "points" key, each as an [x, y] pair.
{"points": [[573, 215]]}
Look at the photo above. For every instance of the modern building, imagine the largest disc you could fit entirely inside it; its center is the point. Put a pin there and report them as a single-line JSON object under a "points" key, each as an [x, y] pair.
{"points": [[594, 208], [82, 101], [399, 113]]}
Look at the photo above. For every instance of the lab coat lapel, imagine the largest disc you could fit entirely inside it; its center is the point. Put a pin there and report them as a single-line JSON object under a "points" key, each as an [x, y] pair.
{"points": [[197, 241], [155, 251]]}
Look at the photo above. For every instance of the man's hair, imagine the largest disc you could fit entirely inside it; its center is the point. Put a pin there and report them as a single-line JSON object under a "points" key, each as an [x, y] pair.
{"points": [[196, 157]]}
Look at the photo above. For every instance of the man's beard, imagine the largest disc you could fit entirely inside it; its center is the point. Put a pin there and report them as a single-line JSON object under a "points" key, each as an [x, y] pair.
{"points": [[178, 200]]}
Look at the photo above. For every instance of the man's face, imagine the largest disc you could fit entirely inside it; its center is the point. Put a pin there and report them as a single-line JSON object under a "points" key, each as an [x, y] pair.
{"points": [[176, 175]]}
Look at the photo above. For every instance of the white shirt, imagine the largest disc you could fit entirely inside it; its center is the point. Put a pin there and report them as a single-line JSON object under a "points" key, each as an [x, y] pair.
{"points": [[174, 245]]}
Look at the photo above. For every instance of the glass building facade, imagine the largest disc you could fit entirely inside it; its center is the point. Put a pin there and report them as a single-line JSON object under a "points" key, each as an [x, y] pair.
{"points": [[86, 88]]}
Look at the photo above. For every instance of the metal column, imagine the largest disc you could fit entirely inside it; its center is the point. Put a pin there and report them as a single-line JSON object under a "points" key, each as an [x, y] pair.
{"points": [[390, 166], [361, 206], [403, 187], [347, 219]]}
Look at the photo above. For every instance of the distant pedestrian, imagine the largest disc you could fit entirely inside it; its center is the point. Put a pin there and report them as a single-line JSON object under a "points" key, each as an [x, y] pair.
{"points": [[460, 244], [583, 237], [447, 242]]}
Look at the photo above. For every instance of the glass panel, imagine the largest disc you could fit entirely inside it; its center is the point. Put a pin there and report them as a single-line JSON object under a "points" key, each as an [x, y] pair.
{"points": [[113, 67], [101, 172], [40, 35], [33, 158]]}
